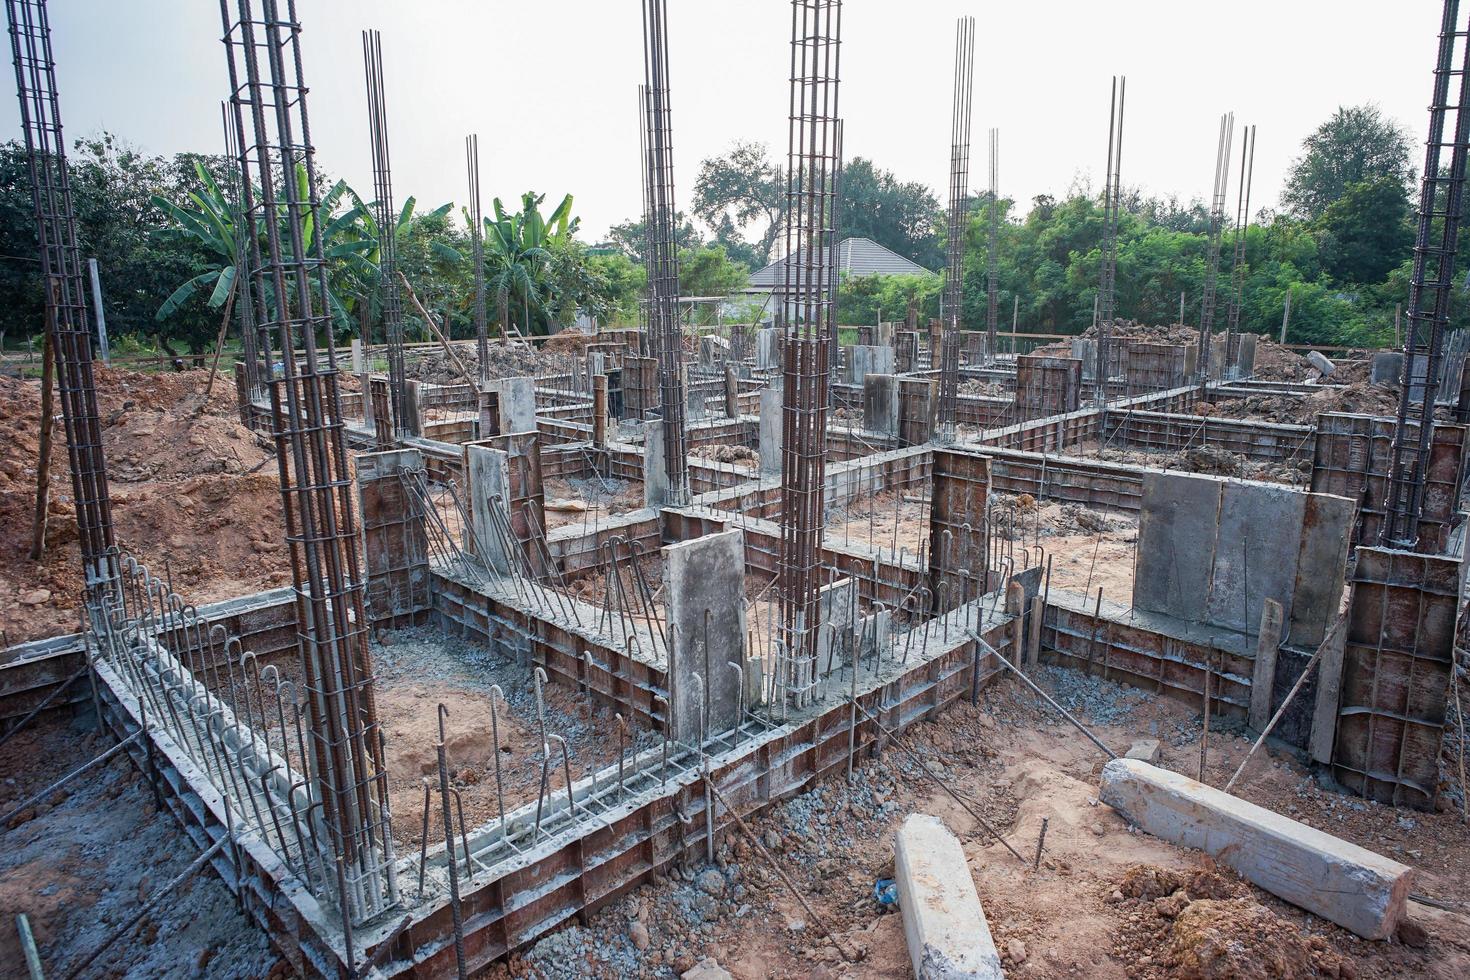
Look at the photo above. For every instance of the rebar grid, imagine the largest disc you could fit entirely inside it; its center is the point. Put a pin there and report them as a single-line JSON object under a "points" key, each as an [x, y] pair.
{"points": [[1237, 261], [992, 252], [390, 294], [306, 413], [477, 244], [1430, 288], [242, 724], [62, 272], [663, 257], [1107, 310], [807, 323], [255, 372], [1212, 256], [959, 203]]}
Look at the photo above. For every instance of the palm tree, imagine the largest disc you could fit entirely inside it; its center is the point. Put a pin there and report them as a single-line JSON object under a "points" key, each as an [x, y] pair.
{"points": [[519, 254], [216, 223]]}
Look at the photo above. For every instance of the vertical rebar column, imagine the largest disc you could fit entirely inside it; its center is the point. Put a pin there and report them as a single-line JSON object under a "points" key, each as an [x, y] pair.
{"points": [[1431, 286], [834, 267], [1107, 310], [645, 305], [65, 288], [806, 316], [390, 294], [477, 243], [992, 251], [958, 221], [1237, 261], [279, 182], [1212, 255], [664, 251], [244, 311]]}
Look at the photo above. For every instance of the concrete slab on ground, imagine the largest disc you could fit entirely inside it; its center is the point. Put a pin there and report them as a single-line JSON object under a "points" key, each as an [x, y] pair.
{"points": [[1359, 890], [943, 923]]}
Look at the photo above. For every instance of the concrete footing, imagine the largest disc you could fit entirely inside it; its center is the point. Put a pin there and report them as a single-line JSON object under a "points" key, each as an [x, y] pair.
{"points": [[1363, 892], [945, 927]]}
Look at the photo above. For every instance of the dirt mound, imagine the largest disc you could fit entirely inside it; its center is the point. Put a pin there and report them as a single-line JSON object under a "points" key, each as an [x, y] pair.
{"points": [[506, 361], [190, 486], [739, 455], [568, 342], [1238, 939], [1206, 459]]}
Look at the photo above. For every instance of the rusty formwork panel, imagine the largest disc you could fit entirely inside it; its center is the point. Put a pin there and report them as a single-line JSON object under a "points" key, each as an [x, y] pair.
{"points": [[640, 386], [1148, 650], [1156, 367], [918, 405], [1267, 442], [959, 533], [1395, 676], [395, 545], [1353, 457], [1047, 385]]}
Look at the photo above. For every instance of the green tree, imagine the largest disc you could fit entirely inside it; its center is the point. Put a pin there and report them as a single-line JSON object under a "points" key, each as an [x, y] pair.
{"points": [[708, 271], [903, 217], [1358, 144], [1366, 232], [630, 236], [743, 189]]}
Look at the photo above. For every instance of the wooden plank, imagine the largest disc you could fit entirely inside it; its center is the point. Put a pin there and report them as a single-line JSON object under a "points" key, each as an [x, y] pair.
{"points": [[1263, 678]]}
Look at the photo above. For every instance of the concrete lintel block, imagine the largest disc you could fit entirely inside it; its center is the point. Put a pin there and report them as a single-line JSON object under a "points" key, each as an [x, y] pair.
{"points": [[943, 923], [1359, 890]]}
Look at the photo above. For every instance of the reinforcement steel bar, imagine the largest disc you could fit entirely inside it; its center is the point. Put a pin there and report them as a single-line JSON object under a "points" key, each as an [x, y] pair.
{"points": [[279, 183], [1212, 259], [390, 295], [1430, 285], [663, 258], [957, 228], [806, 317], [65, 288], [1108, 267], [1237, 261], [477, 241], [992, 251]]}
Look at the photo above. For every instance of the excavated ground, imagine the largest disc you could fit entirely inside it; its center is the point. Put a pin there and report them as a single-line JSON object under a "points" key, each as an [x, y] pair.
{"points": [[195, 495]]}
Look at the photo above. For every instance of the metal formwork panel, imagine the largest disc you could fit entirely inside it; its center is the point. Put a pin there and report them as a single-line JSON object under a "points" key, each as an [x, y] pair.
{"points": [[1353, 458], [1395, 675], [1047, 386]]}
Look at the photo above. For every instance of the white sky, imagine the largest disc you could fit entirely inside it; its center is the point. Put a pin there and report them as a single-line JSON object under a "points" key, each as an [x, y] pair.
{"points": [[551, 86]]}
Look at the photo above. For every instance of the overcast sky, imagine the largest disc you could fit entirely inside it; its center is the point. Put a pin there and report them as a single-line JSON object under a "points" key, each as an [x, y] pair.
{"points": [[551, 86]]}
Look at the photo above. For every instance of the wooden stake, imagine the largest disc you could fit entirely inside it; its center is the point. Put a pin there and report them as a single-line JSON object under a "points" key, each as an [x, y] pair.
{"points": [[43, 464], [1204, 739]]}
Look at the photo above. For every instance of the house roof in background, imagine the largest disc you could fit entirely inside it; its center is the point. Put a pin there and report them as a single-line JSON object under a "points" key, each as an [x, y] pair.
{"points": [[855, 257]]}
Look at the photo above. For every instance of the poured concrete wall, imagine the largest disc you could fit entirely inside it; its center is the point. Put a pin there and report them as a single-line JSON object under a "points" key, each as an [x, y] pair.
{"points": [[704, 586]]}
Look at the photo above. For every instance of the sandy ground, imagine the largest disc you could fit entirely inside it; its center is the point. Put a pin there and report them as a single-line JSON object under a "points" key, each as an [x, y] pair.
{"points": [[1106, 901], [194, 494], [582, 501], [84, 862], [420, 669]]}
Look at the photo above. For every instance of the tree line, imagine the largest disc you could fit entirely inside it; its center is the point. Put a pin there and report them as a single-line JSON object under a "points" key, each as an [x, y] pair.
{"points": [[167, 234]]}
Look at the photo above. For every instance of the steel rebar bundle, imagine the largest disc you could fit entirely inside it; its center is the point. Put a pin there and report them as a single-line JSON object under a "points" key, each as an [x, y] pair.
{"points": [[1212, 257], [992, 251], [957, 226], [1108, 269], [1112, 204], [477, 242], [1430, 287], [65, 288], [806, 316], [1237, 261], [663, 258], [390, 294], [279, 183]]}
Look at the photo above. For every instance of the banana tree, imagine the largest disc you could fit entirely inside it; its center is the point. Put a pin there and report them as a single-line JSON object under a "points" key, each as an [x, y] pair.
{"points": [[519, 258], [370, 289], [217, 224]]}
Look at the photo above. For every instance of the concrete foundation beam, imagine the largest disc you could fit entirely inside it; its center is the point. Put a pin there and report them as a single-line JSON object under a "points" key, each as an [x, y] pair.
{"points": [[946, 931], [1363, 892]]}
